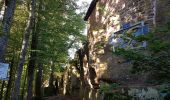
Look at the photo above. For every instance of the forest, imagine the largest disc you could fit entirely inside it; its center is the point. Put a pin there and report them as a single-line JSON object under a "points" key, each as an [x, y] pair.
{"points": [[34, 41]]}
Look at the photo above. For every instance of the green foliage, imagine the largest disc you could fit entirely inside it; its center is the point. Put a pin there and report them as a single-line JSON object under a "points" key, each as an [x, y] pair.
{"points": [[159, 45], [104, 88], [116, 96], [111, 92], [165, 89], [57, 21], [146, 37], [129, 54], [154, 59], [165, 92], [108, 87]]}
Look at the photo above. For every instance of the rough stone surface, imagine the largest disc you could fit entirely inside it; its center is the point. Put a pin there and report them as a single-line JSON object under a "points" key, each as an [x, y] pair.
{"points": [[106, 18]]}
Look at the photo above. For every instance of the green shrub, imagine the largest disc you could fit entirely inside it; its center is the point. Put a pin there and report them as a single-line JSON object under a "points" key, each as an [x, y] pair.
{"points": [[157, 61]]}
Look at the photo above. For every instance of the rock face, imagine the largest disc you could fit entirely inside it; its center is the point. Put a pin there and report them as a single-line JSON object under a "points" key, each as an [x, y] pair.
{"points": [[108, 16]]}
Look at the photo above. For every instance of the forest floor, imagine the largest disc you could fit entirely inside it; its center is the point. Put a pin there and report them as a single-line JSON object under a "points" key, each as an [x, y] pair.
{"points": [[61, 98]]}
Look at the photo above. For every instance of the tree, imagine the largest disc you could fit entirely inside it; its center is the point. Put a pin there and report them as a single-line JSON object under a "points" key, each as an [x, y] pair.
{"points": [[32, 63], [57, 21], [6, 25], [30, 24], [7, 22], [14, 43]]}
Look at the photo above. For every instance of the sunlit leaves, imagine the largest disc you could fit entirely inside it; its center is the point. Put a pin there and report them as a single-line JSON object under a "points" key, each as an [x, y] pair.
{"points": [[59, 20]]}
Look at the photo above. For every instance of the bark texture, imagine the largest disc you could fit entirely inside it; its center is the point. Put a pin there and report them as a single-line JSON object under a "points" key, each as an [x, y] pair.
{"points": [[38, 82], [81, 55], [11, 79], [32, 64], [7, 21], [30, 24]]}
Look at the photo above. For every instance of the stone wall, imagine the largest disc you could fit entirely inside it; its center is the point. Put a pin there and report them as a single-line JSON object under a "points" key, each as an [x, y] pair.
{"points": [[162, 12], [108, 17]]}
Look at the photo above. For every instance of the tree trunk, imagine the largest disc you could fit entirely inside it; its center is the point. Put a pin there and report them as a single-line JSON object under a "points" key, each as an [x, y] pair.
{"points": [[39, 72], [7, 21], [32, 64], [81, 56], [30, 24], [24, 85], [51, 80], [3, 44], [38, 82], [11, 79]]}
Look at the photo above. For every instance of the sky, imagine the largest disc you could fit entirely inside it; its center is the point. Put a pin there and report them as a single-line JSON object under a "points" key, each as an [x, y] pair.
{"points": [[80, 1], [73, 50]]}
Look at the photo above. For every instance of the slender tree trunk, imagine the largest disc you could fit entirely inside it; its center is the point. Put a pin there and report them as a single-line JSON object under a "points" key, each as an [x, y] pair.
{"points": [[24, 85], [30, 24], [3, 44], [51, 80], [81, 55], [11, 78], [7, 21], [32, 64], [39, 72], [2, 90], [38, 82]]}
